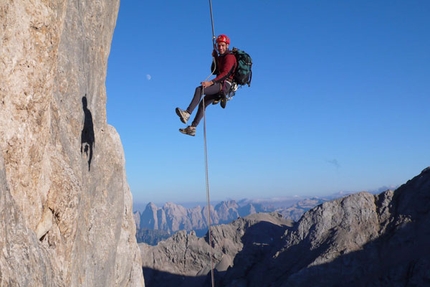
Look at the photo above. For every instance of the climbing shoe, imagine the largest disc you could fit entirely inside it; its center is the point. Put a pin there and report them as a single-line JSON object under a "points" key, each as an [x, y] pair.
{"points": [[216, 101], [191, 131], [183, 115], [223, 102]]}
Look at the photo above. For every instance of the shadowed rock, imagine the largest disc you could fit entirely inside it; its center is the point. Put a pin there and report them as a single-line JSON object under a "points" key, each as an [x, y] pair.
{"points": [[359, 240]]}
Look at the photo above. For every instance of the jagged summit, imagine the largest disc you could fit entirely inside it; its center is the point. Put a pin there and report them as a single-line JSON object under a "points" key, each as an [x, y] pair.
{"points": [[358, 240], [184, 255], [172, 217]]}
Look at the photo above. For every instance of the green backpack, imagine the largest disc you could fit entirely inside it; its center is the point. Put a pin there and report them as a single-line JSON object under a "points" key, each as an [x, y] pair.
{"points": [[243, 72]]}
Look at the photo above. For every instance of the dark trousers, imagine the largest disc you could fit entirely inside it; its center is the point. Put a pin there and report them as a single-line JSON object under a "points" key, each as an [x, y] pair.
{"points": [[211, 93]]}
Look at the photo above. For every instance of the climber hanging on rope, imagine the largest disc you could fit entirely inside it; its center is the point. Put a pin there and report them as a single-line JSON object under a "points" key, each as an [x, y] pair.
{"points": [[215, 90]]}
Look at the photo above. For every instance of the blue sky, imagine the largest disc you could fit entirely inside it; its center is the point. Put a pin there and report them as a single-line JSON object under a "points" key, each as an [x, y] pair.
{"points": [[339, 101]]}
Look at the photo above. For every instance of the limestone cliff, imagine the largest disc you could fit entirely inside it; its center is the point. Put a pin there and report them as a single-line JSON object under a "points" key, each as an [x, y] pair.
{"points": [[66, 208]]}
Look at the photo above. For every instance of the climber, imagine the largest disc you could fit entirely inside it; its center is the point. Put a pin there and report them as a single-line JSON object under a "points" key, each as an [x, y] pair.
{"points": [[214, 90]]}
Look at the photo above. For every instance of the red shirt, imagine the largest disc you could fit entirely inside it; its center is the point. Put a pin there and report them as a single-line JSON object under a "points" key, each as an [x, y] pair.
{"points": [[225, 67]]}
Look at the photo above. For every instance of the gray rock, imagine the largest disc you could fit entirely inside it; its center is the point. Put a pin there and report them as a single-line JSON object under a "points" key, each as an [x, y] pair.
{"points": [[296, 210], [186, 260], [173, 217], [66, 208], [358, 240]]}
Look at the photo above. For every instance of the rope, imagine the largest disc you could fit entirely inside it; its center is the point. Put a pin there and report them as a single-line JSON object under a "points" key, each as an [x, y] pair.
{"points": [[208, 191], [206, 155], [212, 21]]}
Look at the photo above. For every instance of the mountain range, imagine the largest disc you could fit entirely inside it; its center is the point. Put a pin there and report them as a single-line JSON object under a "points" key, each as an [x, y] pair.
{"points": [[172, 217], [361, 239]]}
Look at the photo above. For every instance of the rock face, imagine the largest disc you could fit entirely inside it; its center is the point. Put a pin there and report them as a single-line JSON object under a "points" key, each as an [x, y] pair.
{"points": [[66, 208], [359, 240], [185, 259]]}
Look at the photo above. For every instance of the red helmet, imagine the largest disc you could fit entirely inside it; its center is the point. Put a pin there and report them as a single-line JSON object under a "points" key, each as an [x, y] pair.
{"points": [[223, 38]]}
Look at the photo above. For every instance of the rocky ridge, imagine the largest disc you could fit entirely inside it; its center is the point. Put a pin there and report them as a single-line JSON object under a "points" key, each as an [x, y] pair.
{"points": [[174, 217], [359, 240], [66, 208], [185, 259]]}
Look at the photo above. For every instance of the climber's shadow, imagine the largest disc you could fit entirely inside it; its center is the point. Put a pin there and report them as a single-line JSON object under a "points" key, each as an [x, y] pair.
{"points": [[87, 134]]}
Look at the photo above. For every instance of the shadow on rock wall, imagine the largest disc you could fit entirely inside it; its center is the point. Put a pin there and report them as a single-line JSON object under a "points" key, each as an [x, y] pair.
{"points": [[87, 134]]}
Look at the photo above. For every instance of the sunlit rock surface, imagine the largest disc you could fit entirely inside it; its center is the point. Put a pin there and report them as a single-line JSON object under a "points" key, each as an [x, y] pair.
{"points": [[66, 208]]}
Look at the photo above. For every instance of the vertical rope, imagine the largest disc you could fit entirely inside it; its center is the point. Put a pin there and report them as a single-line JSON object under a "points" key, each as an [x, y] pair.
{"points": [[212, 21], [206, 159], [208, 190]]}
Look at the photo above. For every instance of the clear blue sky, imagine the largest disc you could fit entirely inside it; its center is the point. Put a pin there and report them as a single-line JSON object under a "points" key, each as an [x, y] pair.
{"points": [[340, 98]]}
